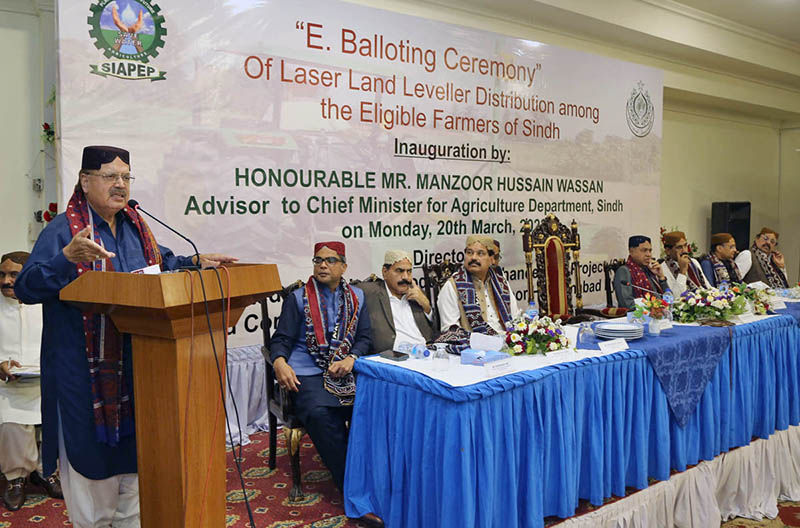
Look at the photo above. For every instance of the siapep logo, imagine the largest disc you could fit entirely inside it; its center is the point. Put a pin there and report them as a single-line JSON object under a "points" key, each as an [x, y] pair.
{"points": [[130, 31], [640, 112]]}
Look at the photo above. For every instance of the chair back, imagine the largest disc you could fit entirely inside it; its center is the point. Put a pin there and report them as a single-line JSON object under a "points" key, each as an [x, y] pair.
{"points": [[609, 269], [372, 278], [435, 275], [557, 256]]}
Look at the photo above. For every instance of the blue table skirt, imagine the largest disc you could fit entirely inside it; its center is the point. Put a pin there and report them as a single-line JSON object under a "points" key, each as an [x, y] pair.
{"points": [[509, 451]]}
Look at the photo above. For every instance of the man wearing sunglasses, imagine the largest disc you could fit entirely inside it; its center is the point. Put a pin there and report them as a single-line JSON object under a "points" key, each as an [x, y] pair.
{"points": [[322, 329], [86, 364], [763, 262]]}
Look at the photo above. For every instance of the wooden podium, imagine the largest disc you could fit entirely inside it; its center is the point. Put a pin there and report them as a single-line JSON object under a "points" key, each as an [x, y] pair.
{"points": [[180, 413]]}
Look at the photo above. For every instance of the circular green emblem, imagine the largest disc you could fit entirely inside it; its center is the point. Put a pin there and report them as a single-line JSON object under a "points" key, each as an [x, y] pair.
{"points": [[127, 29]]}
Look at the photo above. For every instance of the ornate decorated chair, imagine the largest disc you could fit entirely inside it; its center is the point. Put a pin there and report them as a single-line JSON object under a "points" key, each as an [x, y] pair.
{"points": [[434, 276], [557, 253], [280, 406], [371, 278]]}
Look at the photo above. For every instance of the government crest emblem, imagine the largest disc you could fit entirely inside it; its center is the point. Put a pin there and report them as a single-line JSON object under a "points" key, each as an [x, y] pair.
{"points": [[640, 113], [129, 33]]}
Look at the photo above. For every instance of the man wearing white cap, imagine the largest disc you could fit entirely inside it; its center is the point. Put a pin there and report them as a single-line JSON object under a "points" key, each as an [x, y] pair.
{"points": [[399, 311], [477, 298]]}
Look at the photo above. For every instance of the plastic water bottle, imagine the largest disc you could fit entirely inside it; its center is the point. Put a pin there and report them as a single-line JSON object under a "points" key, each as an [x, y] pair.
{"points": [[420, 352], [668, 297], [414, 350], [532, 312]]}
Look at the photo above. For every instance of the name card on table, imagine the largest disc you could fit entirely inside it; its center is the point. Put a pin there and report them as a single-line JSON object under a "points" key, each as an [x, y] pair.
{"points": [[744, 318], [499, 368], [777, 304], [613, 345]]}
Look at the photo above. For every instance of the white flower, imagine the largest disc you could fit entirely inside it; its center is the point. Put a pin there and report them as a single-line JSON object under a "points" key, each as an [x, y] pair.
{"points": [[515, 337], [517, 349], [692, 301], [564, 341], [522, 325], [553, 346]]}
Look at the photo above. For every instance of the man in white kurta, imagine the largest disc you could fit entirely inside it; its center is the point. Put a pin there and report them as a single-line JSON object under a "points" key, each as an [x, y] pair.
{"points": [[478, 257], [20, 396]]}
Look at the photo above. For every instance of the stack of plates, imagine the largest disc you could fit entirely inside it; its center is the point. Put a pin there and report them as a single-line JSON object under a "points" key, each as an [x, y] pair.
{"points": [[617, 330]]}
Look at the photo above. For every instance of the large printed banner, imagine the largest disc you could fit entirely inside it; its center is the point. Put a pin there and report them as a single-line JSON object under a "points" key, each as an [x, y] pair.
{"points": [[258, 127]]}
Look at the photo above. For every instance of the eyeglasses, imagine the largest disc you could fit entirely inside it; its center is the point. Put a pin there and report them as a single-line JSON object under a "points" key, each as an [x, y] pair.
{"points": [[767, 238], [110, 178], [330, 260]]}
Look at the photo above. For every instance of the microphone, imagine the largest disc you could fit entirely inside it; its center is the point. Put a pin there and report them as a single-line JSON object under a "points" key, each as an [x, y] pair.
{"points": [[133, 204], [627, 283]]}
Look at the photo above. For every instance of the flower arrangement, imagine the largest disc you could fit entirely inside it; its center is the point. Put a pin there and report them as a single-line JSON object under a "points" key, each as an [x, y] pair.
{"points": [[48, 134], [759, 298], [539, 335], [52, 211], [708, 303], [651, 305]]}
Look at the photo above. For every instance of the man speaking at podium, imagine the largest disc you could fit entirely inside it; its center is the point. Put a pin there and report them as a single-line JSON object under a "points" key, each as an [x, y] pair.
{"points": [[87, 370]]}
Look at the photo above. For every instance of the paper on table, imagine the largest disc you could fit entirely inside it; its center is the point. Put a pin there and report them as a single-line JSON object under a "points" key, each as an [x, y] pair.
{"points": [[613, 345], [26, 371], [154, 269], [485, 342], [777, 304], [758, 285]]}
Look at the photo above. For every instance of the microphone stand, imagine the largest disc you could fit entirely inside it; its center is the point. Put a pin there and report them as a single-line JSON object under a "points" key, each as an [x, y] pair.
{"points": [[138, 208]]}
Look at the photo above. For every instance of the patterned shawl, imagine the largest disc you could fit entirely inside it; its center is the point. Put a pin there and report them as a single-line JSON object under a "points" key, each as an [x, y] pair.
{"points": [[111, 397], [342, 338], [774, 274], [692, 274], [457, 338], [724, 271], [639, 279]]}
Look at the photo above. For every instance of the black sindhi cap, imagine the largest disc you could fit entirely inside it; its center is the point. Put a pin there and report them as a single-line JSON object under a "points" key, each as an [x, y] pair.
{"points": [[96, 155]]}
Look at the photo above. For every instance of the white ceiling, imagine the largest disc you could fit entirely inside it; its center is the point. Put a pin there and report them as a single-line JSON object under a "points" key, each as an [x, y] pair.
{"points": [[780, 18]]}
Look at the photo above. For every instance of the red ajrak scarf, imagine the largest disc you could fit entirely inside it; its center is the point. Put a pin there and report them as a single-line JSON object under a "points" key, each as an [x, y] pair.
{"points": [[639, 279], [111, 397], [325, 352]]}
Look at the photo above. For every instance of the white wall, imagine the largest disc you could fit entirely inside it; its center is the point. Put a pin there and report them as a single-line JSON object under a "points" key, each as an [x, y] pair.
{"points": [[709, 156], [27, 55]]}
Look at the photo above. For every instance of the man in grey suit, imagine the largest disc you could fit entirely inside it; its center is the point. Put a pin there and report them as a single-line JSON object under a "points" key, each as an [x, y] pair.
{"points": [[398, 309]]}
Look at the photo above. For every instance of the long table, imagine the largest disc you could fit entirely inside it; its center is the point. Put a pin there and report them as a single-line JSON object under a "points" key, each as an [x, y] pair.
{"points": [[509, 451]]}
